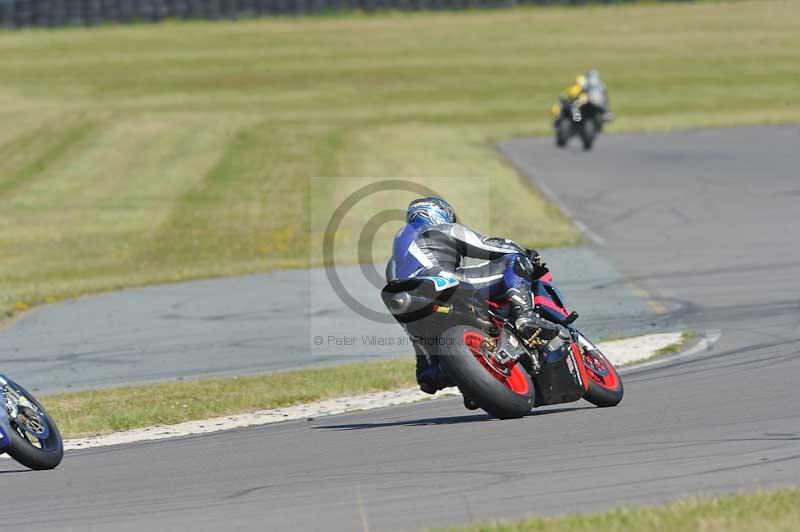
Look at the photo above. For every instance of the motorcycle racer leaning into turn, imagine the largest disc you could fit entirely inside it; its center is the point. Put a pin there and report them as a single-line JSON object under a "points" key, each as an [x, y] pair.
{"points": [[433, 243]]}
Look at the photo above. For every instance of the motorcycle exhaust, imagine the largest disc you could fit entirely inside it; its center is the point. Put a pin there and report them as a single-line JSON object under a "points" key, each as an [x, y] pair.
{"points": [[402, 303]]}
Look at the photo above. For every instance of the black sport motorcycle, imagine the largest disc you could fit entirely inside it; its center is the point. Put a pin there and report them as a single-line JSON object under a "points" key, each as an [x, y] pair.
{"points": [[475, 342], [579, 117]]}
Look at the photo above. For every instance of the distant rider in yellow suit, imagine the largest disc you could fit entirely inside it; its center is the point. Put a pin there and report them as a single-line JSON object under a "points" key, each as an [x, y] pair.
{"points": [[586, 88]]}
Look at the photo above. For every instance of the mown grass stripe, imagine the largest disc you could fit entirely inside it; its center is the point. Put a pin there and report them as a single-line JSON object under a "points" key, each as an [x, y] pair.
{"points": [[46, 147]]}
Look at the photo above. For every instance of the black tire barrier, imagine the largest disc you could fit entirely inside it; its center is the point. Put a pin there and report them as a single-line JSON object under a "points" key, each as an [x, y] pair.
{"points": [[15, 14]]}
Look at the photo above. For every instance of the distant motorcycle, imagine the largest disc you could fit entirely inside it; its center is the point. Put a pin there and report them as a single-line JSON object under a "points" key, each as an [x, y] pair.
{"points": [[27, 433], [475, 342], [580, 117]]}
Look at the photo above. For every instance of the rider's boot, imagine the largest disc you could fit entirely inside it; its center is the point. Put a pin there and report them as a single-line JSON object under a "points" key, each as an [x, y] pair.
{"points": [[527, 321], [430, 376]]}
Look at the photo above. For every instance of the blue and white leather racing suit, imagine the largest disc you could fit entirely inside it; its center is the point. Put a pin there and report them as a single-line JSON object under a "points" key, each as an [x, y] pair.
{"points": [[427, 250], [440, 250]]}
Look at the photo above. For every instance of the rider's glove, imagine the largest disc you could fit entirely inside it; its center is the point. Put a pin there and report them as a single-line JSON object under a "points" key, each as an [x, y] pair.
{"points": [[539, 267]]}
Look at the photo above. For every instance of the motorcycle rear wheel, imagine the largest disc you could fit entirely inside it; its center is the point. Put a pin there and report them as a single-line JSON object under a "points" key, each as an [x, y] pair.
{"points": [[505, 393], [25, 447]]}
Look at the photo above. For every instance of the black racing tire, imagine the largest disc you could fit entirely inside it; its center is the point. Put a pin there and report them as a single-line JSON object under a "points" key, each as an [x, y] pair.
{"points": [[603, 397], [607, 390], [563, 130], [588, 132], [498, 398], [21, 450]]}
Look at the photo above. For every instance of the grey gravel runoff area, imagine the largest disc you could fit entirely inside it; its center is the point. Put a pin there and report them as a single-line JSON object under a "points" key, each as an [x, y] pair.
{"points": [[704, 220]]}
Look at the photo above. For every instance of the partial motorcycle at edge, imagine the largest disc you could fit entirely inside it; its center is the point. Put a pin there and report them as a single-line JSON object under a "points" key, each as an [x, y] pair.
{"points": [[27, 433]]}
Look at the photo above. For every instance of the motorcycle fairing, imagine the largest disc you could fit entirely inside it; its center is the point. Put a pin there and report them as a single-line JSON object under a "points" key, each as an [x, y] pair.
{"points": [[548, 301], [5, 426], [5, 431], [562, 378]]}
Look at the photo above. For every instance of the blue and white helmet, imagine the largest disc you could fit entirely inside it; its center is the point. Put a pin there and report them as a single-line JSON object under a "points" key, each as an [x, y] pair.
{"points": [[430, 211]]}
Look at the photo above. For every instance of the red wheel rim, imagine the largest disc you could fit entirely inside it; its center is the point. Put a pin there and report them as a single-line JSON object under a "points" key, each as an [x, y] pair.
{"points": [[600, 369], [514, 377]]}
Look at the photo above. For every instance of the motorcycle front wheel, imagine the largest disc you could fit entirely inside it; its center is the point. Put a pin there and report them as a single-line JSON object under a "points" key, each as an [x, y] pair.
{"points": [[605, 386], [588, 132], [35, 440], [563, 130], [505, 393]]}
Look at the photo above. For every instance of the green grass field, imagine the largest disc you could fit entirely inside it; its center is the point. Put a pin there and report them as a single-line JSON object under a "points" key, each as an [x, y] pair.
{"points": [[89, 413], [140, 154], [761, 511]]}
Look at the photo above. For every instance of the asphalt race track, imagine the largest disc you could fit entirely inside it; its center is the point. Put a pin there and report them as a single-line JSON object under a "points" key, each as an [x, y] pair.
{"points": [[705, 220]]}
